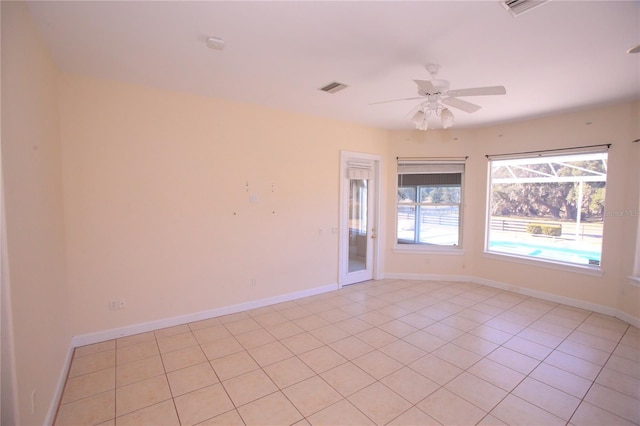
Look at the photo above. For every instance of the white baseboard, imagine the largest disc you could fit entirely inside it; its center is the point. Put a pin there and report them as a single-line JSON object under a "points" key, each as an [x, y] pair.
{"points": [[53, 406], [129, 330], [576, 303]]}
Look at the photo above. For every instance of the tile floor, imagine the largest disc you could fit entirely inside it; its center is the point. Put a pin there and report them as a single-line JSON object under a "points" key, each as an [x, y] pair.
{"points": [[386, 352]]}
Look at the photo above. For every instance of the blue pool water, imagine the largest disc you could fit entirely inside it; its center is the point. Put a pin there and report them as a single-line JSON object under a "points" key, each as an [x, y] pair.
{"points": [[563, 254]]}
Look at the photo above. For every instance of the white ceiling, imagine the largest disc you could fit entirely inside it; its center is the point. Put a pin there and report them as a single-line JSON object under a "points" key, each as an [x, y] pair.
{"points": [[562, 56]]}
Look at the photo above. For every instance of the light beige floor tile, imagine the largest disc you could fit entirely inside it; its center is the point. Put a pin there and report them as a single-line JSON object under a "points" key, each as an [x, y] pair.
{"points": [[409, 385], [444, 331], [615, 402], [379, 403], [92, 362], [176, 341], [270, 353], [398, 328], [351, 347], [621, 382], [170, 331], [139, 370], [449, 409], [274, 409], [490, 420], [312, 395], [435, 369], [515, 411], [295, 312], [334, 315], [514, 360], [206, 323], [540, 337], [94, 348], [221, 347], [562, 380], [341, 413], [479, 392], [585, 352], [89, 384], [289, 371], [233, 365], [301, 343], [141, 394], [254, 338], [573, 365], [311, 322], [546, 397], [550, 326], [403, 352], [111, 422], [413, 417], [322, 359], [136, 352], [211, 334], [92, 410], [249, 387], [183, 358], [624, 365], [475, 344], [460, 323], [283, 330], [202, 404], [347, 378], [353, 325], [507, 326], [474, 315], [242, 326], [375, 318], [191, 378], [162, 414], [457, 355], [377, 364], [270, 318], [230, 418], [497, 374], [602, 332], [491, 334], [590, 415], [376, 338], [416, 320], [529, 348], [425, 341], [629, 352], [329, 333], [123, 342], [225, 319]]}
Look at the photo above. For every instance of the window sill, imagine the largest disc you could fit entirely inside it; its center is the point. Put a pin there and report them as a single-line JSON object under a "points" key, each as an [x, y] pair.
{"points": [[585, 270], [419, 249], [634, 281]]}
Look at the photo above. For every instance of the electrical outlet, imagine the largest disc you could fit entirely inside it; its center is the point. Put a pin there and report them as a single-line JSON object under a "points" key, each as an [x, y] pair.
{"points": [[122, 304], [113, 305]]}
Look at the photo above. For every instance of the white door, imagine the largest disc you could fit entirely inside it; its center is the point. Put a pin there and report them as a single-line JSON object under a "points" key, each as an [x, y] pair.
{"points": [[358, 233]]}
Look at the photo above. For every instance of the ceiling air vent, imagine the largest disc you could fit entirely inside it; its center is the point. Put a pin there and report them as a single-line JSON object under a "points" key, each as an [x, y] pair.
{"points": [[333, 87], [518, 7]]}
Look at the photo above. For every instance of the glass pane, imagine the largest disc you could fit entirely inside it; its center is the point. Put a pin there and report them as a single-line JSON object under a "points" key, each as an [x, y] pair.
{"points": [[439, 225], [357, 225], [439, 194], [407, 194], [549, 208], [406, 224]]}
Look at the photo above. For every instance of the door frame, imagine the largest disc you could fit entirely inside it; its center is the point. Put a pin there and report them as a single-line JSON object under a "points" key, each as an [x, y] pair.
{"points": [[375, 215]]}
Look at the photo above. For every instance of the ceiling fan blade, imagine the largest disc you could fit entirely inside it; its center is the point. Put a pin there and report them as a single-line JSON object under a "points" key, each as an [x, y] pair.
{"points": [[425, 86], [460, 104], [397, 100], [478, 91]]}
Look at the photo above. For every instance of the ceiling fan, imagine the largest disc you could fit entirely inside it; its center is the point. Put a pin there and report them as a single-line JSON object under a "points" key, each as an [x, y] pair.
{"points": [[436, 96]]}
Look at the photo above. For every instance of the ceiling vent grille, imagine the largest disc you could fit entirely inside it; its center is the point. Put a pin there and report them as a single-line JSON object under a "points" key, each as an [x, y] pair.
{"points": [[518, 7], [333, 87]]}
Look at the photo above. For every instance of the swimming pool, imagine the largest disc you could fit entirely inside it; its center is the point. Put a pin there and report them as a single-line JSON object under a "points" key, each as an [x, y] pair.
{"points": [[559, 253]]}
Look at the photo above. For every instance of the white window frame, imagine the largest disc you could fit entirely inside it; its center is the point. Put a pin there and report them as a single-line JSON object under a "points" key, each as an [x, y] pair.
{"points": [[434, 166], [539, 261]]}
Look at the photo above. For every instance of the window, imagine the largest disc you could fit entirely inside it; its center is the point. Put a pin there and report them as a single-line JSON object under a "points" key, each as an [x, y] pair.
{"points": [[429, 203], [548, 207]]}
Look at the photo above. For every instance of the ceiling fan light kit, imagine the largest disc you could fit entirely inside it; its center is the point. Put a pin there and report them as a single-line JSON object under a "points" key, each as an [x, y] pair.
{"points": [[435, 94]]}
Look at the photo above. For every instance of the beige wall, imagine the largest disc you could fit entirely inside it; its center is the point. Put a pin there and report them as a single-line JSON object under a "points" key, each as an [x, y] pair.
{"points": [[617, 125], [159, 213], [32, 183]]}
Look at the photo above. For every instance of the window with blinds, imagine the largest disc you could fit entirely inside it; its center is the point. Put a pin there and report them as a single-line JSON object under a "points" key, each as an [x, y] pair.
{"points": [[429, 200]]}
